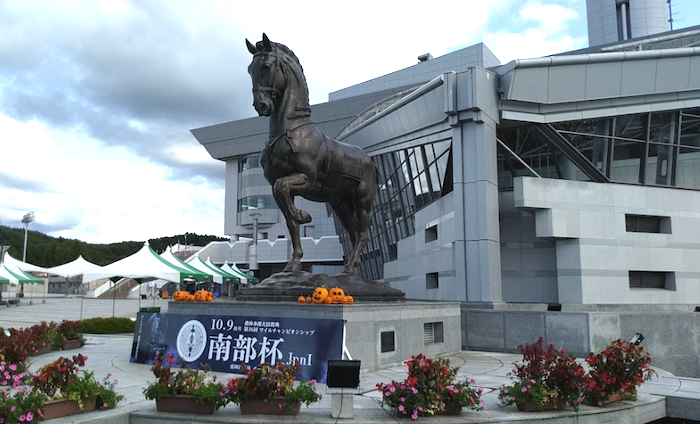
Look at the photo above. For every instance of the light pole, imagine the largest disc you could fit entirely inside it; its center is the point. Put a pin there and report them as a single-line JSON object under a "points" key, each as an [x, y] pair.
{"points": [[27, 219], [253, 263], [4, 249]]}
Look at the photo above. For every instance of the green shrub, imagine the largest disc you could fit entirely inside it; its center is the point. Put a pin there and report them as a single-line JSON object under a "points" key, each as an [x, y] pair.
{"points": [[106, 325]]}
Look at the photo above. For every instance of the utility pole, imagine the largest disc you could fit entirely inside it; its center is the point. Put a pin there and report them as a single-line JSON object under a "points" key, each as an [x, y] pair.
{"points": [[27, 219]]}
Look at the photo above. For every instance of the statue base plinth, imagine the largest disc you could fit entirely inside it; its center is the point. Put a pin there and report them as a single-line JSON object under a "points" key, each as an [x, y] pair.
{"points": [[288, 286]]}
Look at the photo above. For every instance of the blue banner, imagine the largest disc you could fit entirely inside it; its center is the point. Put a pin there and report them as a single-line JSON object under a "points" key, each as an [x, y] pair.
{"points": [[226, 342]]}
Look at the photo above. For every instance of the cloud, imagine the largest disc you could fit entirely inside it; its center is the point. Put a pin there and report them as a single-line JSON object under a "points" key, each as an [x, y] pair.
{"points": [[97, 97], [542, 29]]}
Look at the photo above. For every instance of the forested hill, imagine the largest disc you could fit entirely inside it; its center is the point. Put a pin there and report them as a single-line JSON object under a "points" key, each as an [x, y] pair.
{"points": [[47, 251]]}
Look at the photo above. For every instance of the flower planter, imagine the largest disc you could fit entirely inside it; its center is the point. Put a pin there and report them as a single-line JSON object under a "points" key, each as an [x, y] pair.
{"points": [[615, 397], [183, 404], [271, 406], [42, 350], [72, 344], [528, 406], [450, 411], [64, 407]]}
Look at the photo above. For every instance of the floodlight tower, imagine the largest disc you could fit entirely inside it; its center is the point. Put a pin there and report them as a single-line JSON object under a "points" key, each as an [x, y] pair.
{"points": [[27, 219]]}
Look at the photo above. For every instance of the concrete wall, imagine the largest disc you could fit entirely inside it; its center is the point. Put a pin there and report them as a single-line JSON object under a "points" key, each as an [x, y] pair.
{"points": [[594, 250], [671, 338], [416, 257], [528, 263], [364, 325]]}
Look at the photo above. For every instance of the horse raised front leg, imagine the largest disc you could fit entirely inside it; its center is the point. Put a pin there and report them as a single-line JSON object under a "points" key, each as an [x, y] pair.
{"points": [[282, 191]]}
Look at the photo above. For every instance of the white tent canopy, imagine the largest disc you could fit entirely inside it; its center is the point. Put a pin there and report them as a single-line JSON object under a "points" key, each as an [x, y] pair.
{"points": [[143, 264], [6, 276], [11, 263], [233, 269], [17, 276], [226, 267], [174, 260], [219, 275], [74, 268]]}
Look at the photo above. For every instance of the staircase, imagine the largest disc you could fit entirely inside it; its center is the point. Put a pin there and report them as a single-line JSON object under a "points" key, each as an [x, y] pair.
{"points": [[120, 290]]}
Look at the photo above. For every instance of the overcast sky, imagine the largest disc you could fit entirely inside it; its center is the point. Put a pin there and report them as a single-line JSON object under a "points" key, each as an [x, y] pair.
{"points": [[97, 97]]}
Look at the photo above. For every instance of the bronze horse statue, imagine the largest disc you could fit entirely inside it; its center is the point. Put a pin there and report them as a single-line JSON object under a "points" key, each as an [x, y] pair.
{"points": [[299, 160]]}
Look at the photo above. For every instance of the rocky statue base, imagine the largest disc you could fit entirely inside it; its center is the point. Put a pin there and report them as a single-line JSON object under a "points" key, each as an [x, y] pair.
{"points": [[288, 286]]}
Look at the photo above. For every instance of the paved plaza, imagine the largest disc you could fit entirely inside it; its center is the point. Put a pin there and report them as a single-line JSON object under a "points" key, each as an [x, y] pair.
{"points": [[110, 354]]}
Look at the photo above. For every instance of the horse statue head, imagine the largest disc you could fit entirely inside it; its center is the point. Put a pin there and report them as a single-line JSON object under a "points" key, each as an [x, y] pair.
{"points": [[278, 78]]}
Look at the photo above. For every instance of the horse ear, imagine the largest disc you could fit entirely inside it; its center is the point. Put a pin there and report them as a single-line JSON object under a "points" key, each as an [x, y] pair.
{"points": [[251, 47], [267, 43]]}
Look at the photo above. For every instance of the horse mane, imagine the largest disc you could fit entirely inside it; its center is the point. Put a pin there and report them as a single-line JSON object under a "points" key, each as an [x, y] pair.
{"points": [[289, 53]]}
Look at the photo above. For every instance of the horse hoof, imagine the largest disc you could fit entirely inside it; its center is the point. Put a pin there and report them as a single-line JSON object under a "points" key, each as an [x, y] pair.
{"points": [[294, 268], [304, 217]]}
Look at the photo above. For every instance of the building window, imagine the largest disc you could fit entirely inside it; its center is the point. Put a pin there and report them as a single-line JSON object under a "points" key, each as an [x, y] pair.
{"points": [[431, 234], [249, 163], [647, 224], [388, 341], [432, 280], [652, 280], [433, 333], [256, 202]]}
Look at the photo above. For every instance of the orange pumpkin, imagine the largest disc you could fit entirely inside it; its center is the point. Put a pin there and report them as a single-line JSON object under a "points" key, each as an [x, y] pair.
{"points": [[319, 295], [200, 296], [308, 299], [210, 296], [328, 300], [301, 299], [190, 298], [348, 300], [337, 294], [179, 295]]}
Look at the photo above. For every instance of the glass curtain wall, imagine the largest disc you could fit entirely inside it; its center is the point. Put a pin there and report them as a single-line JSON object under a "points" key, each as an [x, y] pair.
{"points": [[409, 180], [658, 148]]}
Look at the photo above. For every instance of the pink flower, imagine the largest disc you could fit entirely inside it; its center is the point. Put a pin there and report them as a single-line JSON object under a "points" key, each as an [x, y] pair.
{"points": [[401, 408], [104, 405], [30, 416], [523, 390], [13, 367]]}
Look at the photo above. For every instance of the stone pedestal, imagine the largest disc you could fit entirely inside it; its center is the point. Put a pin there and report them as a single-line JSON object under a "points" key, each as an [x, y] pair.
{"points": [[342, 405], [367, 324], [288, 286]]}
